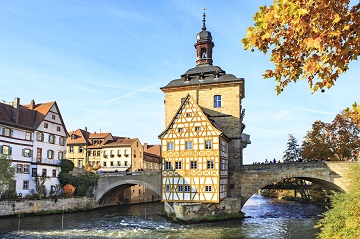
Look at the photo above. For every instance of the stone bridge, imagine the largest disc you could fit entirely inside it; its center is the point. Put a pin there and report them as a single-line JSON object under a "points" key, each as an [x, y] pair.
{"points": [[328, 175], [251, 178], [109, 184]]}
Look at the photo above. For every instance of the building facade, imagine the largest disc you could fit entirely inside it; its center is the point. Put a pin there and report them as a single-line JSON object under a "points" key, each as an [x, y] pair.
{"points": [[203, 139], [33, 137]]}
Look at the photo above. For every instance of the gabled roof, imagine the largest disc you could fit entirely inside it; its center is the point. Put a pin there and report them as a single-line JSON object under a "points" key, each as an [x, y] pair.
{"points": [[98, 135], [187, 99], [152, 158], [121, 142], [78, 136], [153, 149], [30, 116]]}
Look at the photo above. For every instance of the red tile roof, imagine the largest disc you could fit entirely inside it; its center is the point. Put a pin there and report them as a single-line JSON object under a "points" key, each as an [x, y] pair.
{"points": [[153, 149], [78, 136]]}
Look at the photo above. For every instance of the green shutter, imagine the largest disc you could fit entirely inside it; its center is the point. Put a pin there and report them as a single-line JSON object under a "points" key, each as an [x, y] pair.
{"points": [[23, 152], [11, 132], [42, 137], [10, 150], [37, 133], [31, 152], [49, 137], [1, 149]]}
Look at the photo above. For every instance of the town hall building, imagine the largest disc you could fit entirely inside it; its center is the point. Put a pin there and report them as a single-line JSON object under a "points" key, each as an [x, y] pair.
{"points": [[203, 140]]}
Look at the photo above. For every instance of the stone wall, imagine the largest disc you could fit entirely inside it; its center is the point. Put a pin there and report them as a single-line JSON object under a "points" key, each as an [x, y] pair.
{"points": [[45, 206]]}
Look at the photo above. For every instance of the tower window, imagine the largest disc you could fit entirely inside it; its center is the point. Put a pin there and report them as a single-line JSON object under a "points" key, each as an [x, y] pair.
{"points": [[217, 101], [203, 53]]}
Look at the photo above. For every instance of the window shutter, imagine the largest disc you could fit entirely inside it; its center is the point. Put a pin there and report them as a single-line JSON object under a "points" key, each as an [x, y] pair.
{"points": [[2, 131], [11, 132], [23, 152], [49, 137], [1, 149], [42, 137], [31, 153], [10, 150]]}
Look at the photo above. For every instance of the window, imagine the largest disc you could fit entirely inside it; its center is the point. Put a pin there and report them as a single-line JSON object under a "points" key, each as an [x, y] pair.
{"points": [[178, 165], [62, 141], [104, 164], [168, 166], [193, 164], [58, 128], [60, 155], [38, 153], [26, 169], [46, 125], [54, 173], [167, 188], [25, 185], [80, 149], [208, 188], [52, 138], [50, 154], [180, 129], [111, 163], [210, 164], [188, 145], [27, 153], [28, 136], [98, 153], [170, 146], [34, 172], [53, 116], [119, 153], [180, 188], [19, 168], [44, 172], [7, 132], [187, 188], [40, 136], [71, 149], [208, 144], [118, 163], [188, 114], [126, 163], [80, 164], [217, 101], [6, 150], [197, 128]]}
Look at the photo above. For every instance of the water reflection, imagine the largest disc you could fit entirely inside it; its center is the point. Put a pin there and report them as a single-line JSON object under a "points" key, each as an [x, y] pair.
{"points": [[268, 218]]}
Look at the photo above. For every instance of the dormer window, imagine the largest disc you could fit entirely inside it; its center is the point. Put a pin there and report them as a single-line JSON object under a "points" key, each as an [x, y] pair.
{"points": [[73, 136]]}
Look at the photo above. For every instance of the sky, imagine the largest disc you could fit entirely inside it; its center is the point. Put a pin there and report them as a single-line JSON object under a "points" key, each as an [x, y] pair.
{"points": [[104, 62]]}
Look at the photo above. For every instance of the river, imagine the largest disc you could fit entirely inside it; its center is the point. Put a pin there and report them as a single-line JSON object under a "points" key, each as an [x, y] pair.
{"points": [[268, 218]]}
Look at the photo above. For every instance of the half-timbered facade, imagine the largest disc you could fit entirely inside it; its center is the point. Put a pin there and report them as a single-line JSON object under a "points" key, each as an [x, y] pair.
{"points": [[195, 157]]}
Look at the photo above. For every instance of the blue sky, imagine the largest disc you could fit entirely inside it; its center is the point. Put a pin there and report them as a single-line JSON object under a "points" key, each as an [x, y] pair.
{"points": [[104, 62]]}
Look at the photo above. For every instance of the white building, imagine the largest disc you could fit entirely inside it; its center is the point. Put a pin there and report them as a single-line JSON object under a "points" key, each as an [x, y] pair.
{"points": [[34, 137]]}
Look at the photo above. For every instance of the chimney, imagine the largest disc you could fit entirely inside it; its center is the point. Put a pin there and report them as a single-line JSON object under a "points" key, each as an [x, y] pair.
{"points": [[32, 104], [145, 146], [85, 129], [16, 106]]}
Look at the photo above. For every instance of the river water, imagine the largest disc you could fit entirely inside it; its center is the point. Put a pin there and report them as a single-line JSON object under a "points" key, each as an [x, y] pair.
{"points": [[267, 218]]}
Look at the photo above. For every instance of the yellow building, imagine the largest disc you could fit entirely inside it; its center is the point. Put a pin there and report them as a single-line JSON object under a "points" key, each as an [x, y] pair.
{"points": [[195, 154], [203, 138]]}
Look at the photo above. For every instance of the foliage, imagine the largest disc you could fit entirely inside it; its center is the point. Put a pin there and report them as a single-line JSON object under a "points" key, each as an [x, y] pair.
{"points": [[343, 219], [311, 40], [7, 174], [92, 169], [40, 185], [84, 184], [293, 152], [354, 113], [66, 165], [337, 141], [69, 189]]}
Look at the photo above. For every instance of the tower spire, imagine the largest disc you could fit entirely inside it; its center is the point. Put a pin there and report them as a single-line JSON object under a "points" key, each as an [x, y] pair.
{"points": [[204, 45], [204, 20]]}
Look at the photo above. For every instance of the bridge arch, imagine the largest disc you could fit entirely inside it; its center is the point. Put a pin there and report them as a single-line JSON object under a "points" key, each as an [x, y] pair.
{"points": [[110, 183]]}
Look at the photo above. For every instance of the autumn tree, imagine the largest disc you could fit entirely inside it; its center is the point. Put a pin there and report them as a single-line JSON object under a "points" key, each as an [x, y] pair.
{"points": [[313, 40], [337, 140], [293, 151]]}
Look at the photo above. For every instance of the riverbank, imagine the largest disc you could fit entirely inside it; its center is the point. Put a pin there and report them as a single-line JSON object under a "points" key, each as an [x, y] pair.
{"points": [[21, 207]]}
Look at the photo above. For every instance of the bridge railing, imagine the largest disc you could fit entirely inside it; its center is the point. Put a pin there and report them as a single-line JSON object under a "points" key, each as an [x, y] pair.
{"points": [[121, 174]]}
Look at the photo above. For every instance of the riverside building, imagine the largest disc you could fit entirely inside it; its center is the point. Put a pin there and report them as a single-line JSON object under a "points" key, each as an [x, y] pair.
{"points": [[33, 137]]}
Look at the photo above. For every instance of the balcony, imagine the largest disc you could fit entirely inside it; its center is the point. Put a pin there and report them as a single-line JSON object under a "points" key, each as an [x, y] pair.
{"points": [[46, 161]]}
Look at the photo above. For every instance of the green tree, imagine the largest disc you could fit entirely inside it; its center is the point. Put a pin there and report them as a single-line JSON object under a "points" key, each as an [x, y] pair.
{"points": [[336, 141], [40, 185], [311, 40], [343, 219], [293, 151], [7, 174]]}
